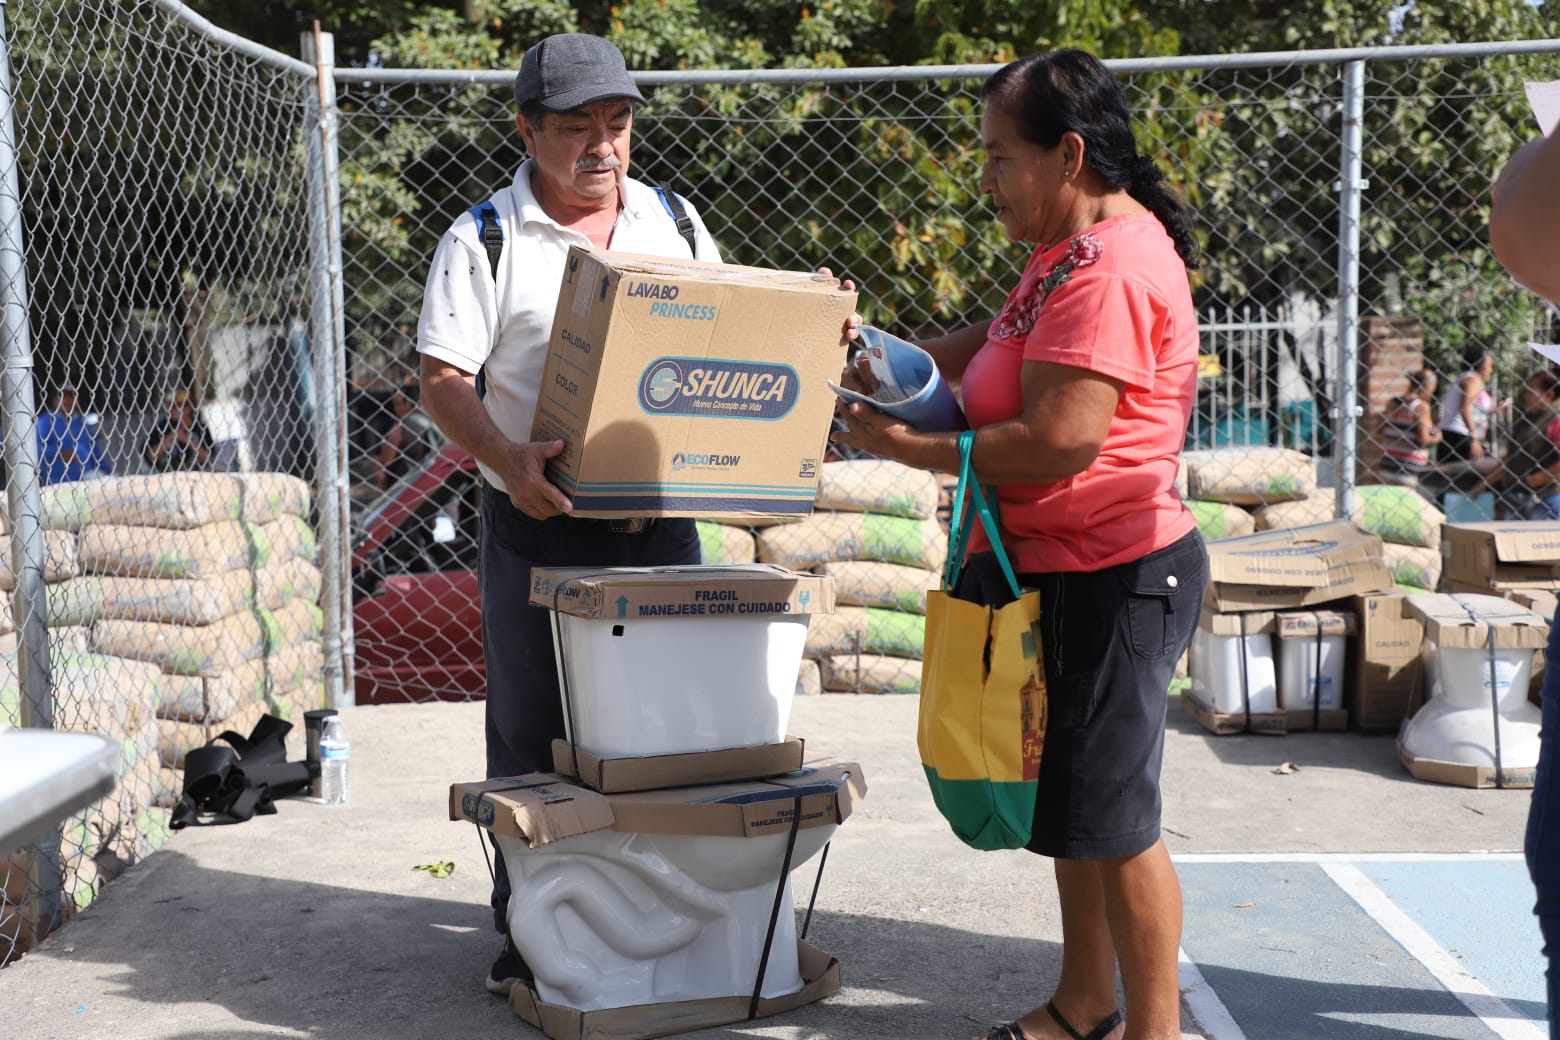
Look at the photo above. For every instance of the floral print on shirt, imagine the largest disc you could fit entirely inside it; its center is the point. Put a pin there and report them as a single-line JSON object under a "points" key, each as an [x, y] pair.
{"points": [[1018, 316]]}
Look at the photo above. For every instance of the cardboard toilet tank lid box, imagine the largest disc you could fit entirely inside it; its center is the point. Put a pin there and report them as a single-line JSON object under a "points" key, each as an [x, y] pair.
{"points": [[1237, 623], [1528, 541], [1467, 620], [707, 591], [542, 808], [1293, 557], [1302, 624]]}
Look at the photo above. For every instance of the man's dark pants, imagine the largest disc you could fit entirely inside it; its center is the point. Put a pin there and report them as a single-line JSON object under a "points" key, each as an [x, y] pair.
{"points": [[524, 708]]}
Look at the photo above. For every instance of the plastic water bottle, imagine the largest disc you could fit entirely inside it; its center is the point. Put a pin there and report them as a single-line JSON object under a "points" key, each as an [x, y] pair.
{"points": [[335, 754]]}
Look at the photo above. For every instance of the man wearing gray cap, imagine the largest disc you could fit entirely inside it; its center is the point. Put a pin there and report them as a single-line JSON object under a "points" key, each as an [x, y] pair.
{"points": [[491, 312]]}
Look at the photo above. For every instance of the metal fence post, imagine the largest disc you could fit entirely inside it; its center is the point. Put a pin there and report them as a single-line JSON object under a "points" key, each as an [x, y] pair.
{"points": [[1351, 187], [22, 496], [330, 371]]}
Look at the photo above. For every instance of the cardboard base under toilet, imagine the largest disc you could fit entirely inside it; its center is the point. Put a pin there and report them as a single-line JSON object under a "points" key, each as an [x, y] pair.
{"points": [[820, 978]]}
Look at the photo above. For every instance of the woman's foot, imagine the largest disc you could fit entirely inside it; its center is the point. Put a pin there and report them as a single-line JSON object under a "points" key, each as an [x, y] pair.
{"points": [[1048, 1023]]}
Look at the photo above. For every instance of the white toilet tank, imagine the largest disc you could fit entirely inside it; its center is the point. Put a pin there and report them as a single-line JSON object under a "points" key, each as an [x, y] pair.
{"points": [[675, 660], [1312, 648], [1232, 662]]}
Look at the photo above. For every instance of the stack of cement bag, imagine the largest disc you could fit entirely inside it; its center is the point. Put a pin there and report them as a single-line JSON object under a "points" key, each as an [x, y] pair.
{"points": [[177, 606], [1236, 491], [212, 579], [88, 693], [875, 532]]}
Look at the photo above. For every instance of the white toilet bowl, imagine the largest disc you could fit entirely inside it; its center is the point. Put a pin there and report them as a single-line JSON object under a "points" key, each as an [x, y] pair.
{"points": [[612, 919]]}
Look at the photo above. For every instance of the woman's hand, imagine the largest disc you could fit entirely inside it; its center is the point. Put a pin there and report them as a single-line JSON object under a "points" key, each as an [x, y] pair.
{"points": [[853, 320], [858, 375], [875, 432]]}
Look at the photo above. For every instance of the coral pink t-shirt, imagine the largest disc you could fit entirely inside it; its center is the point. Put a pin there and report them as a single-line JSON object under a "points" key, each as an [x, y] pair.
{"points": [[1113, 299]]}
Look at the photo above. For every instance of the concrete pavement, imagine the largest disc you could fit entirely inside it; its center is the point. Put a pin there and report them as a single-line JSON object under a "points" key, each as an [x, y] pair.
{"points": [[313, 923]]}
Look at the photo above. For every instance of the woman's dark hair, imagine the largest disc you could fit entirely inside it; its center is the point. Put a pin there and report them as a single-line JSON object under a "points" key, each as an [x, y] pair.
{"points": [[1053, 92], [1418, 380], [1545, 381], [1473, 356]]}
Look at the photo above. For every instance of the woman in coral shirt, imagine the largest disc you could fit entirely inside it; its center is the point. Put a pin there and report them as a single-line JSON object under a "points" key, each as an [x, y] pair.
{"points": [[1080, 390]]}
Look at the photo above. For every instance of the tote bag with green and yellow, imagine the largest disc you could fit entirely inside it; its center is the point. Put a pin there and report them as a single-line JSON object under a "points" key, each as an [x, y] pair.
{"points": [[983, 703]]}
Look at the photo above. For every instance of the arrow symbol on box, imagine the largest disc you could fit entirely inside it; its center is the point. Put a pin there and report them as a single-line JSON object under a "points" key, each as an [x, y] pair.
{"points": [[622, 602]]}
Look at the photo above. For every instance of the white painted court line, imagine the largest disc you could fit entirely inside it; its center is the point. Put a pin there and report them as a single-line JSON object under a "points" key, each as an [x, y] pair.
{"points": [[1490, 1009], [1204, 1004], [1479, 855]]}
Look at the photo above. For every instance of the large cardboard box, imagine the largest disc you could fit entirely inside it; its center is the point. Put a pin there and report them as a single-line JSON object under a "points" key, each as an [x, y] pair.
{"points": [[1503, 555], [683, 388], [1387, 673], [1295, 567]]}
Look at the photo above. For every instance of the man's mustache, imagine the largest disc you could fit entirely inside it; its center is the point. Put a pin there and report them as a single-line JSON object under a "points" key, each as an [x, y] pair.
{"points": [[586, 165]]}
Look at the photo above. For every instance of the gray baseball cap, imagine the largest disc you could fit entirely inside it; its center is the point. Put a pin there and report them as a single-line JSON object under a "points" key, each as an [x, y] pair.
{"points": [[569, 70]]}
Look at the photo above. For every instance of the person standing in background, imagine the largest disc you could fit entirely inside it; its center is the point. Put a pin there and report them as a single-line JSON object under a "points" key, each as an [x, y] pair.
{"points": [[1525, 236], [1466, 409], [67, 442], [1531, 466]]}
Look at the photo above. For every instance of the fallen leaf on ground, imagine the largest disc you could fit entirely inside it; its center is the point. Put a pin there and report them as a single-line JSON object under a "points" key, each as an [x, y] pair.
{"points": [[442, 869], [1244, 906], [1287, 767]]}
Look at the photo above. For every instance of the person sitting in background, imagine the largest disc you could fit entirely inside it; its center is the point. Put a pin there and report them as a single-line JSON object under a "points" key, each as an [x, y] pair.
{"points": [[1409, 429], [404, 443], [67, 443], [181, 441], [1532, 462]]}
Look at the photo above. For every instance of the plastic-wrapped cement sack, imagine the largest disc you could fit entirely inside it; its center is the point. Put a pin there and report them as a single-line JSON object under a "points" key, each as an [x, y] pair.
{"points": [[211, 698], [862, 583], [177, 601], [293, 666], [279, 583], [1413, 565], [285, 538], [184, 649], [1396, 514], [854, 536], [1249, 476], [171, 500], [297, 622], [61, 558], [726, 543], [267, 496], [870, 673], [1221, 520], [92, 693], [871, 630], [153, 552], [877, 486], [77, 601], [809, 680]]}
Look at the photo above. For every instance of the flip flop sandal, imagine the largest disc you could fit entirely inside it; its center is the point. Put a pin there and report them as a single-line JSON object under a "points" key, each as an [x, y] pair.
{"points": [[1004, 1031], [1099, 1032]]}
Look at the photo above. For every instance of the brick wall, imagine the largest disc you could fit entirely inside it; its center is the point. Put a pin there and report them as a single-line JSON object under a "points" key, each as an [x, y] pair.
{"points": [[1390, 348]]}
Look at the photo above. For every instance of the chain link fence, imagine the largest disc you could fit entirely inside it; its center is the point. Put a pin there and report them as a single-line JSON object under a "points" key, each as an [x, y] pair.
{"points": [[874, 173], [188, 250], [160, 530]]}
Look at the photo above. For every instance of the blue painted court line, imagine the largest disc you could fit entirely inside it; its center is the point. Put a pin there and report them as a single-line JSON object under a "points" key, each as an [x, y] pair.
{"points": [[1480, 912], [1289, 953]]}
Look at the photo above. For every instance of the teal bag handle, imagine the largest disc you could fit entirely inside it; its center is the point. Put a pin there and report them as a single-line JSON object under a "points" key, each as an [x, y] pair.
{"points": [[985, 502]]}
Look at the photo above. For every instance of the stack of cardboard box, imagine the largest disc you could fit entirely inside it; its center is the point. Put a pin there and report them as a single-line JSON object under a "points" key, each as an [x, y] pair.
{"points": [[1300, 586], [742, 792]]}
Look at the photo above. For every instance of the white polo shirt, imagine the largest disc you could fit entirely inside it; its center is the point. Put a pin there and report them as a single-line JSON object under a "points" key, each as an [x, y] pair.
{"points": [[503, 330]]}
